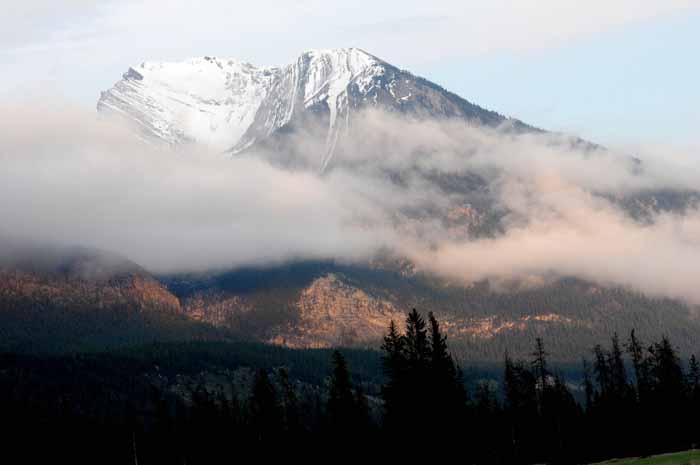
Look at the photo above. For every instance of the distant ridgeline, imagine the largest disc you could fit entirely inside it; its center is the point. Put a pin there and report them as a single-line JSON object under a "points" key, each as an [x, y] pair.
{"points": [[88, 302]]}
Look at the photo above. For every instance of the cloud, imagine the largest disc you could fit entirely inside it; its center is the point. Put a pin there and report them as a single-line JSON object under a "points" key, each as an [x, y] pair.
{"points": [[406, 25], [462, 202], [96, 41], [71, 179], [578, 235]]}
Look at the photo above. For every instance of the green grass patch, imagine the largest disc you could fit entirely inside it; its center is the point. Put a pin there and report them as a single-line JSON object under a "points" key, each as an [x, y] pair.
{"points": [[689, 457]]}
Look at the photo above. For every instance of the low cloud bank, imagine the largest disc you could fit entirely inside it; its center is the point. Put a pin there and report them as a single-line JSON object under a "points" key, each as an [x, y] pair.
{"points": [[418, 189]]}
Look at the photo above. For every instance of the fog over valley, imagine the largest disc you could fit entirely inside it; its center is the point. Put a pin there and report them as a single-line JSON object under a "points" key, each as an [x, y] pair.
{"points": [[461, 201]]}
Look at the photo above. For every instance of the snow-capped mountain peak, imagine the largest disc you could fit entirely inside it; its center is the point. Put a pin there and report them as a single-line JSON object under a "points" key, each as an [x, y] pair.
{"points": [[207, 100], [231, 105]]}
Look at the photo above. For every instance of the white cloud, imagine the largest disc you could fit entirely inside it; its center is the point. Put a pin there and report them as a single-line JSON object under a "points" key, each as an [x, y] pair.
{"points": [[71, 179]]}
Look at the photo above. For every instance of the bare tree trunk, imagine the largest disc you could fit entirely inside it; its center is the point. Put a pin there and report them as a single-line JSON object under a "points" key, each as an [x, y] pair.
{"points": [[136, 457]]}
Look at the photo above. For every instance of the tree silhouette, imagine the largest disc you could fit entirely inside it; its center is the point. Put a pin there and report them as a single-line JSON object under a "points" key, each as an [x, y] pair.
{"points": [[265, 411], [341, 407]]}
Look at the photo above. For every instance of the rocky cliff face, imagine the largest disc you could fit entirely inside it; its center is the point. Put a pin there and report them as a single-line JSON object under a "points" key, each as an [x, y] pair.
{"points": [[335, 313]]}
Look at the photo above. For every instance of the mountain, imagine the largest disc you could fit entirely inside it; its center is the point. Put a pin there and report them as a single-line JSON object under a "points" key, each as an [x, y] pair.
{"points": [[232, 106], [327, 304], [57, 299], [318, 99]]}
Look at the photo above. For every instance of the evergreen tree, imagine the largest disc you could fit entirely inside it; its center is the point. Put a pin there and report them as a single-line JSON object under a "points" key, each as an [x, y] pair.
{"points": [[539, 364], [521, 409], [588, 388], [265, 411], [290, 403], [640, 365], [395, 367], [694, 397], [445, 388], [602, 370], [445, 374], [341, 407], [618, 373], [363, 421], [416, 346], [694, 377], [562, 421], [669, 406], [489, 428]]}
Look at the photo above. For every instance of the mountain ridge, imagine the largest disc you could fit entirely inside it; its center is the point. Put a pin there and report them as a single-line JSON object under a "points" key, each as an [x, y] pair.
{"points": [[305, 304], [232, 105]]}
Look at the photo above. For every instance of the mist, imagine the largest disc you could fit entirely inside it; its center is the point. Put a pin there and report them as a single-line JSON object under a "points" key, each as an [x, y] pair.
{"points": [[71, 178]]}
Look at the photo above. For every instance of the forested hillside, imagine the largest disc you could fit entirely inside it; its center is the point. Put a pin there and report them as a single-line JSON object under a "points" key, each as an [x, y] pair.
{"points": [[200, 402]]}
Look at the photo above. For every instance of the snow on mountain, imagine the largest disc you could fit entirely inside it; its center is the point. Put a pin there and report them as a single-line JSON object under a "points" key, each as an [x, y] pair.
{"points": [[207, 100], [230, 106]]}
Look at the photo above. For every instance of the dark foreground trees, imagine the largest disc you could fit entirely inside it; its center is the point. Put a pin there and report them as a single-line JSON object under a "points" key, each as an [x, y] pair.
{"points": [[633, 399]]}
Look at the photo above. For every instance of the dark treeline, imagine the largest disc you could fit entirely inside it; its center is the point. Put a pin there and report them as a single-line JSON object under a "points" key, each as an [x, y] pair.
{"points": [[635, 399]]}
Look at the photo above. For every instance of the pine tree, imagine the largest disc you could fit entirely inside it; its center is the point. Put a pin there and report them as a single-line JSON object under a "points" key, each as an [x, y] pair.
{"points": [[521, 409], [694, 376], [669, 404], [363, 419], [602, 370], [341, 405], [618, 373], [290, 402], [445, 373], [539, 364], [395, 367], [417, 346], [445, 388], [667, 370], [694, 396], [265, 411], [438, 344], [640, 365]]}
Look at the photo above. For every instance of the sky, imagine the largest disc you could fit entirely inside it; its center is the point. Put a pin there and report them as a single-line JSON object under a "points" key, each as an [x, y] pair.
{"points": [[622, 73]]}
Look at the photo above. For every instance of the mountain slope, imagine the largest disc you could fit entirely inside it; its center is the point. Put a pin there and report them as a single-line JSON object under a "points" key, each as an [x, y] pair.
{"points": [[327, 304], [231, 106], [311, 105], [54, 299]]}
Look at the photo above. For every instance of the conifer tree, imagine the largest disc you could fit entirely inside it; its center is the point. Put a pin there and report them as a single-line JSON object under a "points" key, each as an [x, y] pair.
{"points": [[539, 364], [640, 365], [395, 365], [618, 373], [445, 373], [588, 388], [694, 395], [694, 376], [290, 403], [445, 389], [602, 370], [341, 405], [521, 408], [416, 346], [265, 412], [363, 419]]}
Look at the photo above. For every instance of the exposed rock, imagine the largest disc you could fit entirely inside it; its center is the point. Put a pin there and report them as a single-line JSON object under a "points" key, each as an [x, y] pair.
{"points": [[334, 313]]}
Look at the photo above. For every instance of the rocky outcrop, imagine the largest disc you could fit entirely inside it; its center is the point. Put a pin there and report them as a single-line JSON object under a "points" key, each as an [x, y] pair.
{"points": [[335, 313]]}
